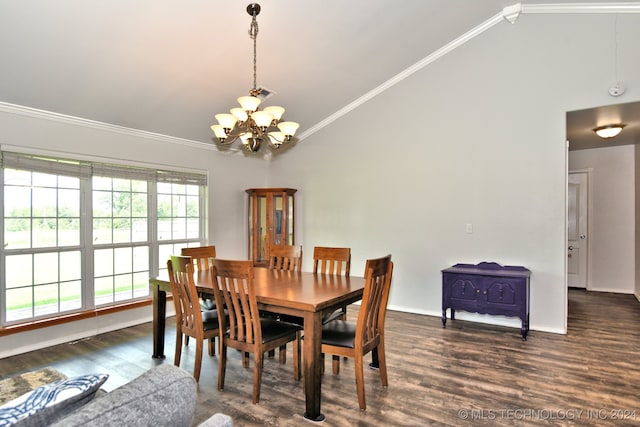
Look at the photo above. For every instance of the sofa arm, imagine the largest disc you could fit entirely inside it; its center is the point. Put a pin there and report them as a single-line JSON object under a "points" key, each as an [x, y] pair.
{"points": [[163, 396]]}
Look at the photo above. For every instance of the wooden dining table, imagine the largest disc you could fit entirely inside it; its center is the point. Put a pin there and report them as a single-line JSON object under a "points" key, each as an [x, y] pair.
{"points": [[306, 295]]}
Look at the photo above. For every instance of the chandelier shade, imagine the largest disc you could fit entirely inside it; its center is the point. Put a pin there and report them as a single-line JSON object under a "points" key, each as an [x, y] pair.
{"points": [[248, 123]]}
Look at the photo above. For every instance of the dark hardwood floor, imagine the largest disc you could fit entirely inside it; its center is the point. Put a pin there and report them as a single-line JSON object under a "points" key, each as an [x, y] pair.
{"points": [[466, 374]]}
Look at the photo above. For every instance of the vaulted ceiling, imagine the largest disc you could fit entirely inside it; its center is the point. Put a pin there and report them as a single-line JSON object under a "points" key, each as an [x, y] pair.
{"points": [[167, 66]]}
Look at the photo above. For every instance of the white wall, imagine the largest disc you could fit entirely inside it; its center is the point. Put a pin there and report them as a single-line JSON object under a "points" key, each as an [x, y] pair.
{"points": [[612, 236], [477, 137], [229, 175]]}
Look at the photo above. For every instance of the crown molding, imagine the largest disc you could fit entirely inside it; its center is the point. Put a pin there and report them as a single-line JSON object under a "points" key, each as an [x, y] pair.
{"points": [[107, 127], [92, 124], [509, 14], [619, 7]]}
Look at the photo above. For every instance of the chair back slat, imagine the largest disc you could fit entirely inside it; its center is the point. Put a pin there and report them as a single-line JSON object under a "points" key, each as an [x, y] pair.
{"points": [[185, 295], [373, 309], [233, 287], [201, 256], [331, 260], [285, 257]]}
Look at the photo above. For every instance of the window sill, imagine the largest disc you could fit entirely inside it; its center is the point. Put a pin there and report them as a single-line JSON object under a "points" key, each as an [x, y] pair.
{"points": [[72, 317]]}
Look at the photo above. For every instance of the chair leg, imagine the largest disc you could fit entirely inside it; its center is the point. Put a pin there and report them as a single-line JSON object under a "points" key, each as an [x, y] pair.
{"points": [[212, 346], [245, 359], [198, 362], [296, 357], [222, 365], [360, 381], [382, 362], [178, 352], [271, 353], [257, 376], [336, 365], [282, 354]]}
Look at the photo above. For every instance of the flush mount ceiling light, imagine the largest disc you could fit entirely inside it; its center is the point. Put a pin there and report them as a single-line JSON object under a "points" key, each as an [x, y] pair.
{"points": [[247, 122], [608, 131]]}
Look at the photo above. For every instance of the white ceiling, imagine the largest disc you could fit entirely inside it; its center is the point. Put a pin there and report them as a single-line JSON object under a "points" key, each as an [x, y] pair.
{"points": [[167, 66]]}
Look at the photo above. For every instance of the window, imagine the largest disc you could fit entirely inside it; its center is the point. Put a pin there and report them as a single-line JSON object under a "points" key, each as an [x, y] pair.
{"points": [[81, 235]]}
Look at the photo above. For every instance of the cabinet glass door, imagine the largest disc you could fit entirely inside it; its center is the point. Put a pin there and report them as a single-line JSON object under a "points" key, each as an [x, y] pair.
{"points": [[271, 214]]}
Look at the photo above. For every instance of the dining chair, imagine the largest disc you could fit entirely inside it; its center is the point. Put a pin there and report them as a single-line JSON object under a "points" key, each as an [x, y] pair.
{"points": [[190, 319], [328, 260], [349, 339], [243, 328], [201, 257], [285, 257]]}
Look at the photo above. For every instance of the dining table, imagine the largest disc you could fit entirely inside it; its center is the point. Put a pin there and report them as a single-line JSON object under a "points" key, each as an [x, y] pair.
{"points": [[302, 294]]}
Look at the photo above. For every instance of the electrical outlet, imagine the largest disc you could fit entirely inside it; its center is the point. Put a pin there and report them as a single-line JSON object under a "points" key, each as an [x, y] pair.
{"points": [[469, 228]]}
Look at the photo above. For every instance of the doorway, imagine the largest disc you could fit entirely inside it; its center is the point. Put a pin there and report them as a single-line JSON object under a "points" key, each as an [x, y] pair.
{"points": [[578, 258]]}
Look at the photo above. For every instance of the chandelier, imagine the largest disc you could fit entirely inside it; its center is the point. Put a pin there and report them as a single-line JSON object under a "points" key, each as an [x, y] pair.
{"points": [[247, 122]]}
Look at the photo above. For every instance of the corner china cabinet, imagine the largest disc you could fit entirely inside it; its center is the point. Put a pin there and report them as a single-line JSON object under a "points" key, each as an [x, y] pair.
{"points": [[271, 216]]}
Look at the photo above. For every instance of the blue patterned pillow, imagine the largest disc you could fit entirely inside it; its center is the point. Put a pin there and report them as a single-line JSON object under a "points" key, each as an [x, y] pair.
{"points": [[46, 404]]}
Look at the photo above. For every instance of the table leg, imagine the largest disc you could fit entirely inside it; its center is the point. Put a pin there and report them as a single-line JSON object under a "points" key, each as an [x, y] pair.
{"points": [[311, 364], [159, 317]]}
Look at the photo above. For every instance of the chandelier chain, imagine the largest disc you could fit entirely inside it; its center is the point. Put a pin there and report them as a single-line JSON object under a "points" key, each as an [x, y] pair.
{"points": [[253, 33]]}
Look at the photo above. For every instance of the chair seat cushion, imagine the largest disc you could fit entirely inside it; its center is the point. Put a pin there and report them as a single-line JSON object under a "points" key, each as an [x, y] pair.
{"points": [[274, 329], [339, 333], [210, 320]]}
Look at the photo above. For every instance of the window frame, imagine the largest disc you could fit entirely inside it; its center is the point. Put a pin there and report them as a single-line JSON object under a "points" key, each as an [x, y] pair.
{"points": [[86, 170]]}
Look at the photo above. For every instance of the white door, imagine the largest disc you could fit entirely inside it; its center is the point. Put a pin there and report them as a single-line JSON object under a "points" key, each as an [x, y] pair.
{"points": [[577, 233]]}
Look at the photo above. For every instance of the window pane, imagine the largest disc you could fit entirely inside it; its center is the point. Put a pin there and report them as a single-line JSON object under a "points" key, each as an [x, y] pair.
{"points": [[101, 203], [103, 288], [69, 203], [141, 259], [70, 266], [69, 232], [179, 229], [164, 229], [123, 260], [101, 183], [44, 232], [18, 270], [103, 262], [124, 287], [70, 295], [17, 233], [140, 230], [102, 231], [44, 202], [193, 207], [17, 202], [19, 304], [122, 204], [121, 230], [45, 268], [46, 299]]}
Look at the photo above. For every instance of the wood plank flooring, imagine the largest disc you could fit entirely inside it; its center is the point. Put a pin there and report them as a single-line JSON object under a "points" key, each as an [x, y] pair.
{"points": [[466, 374]]}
